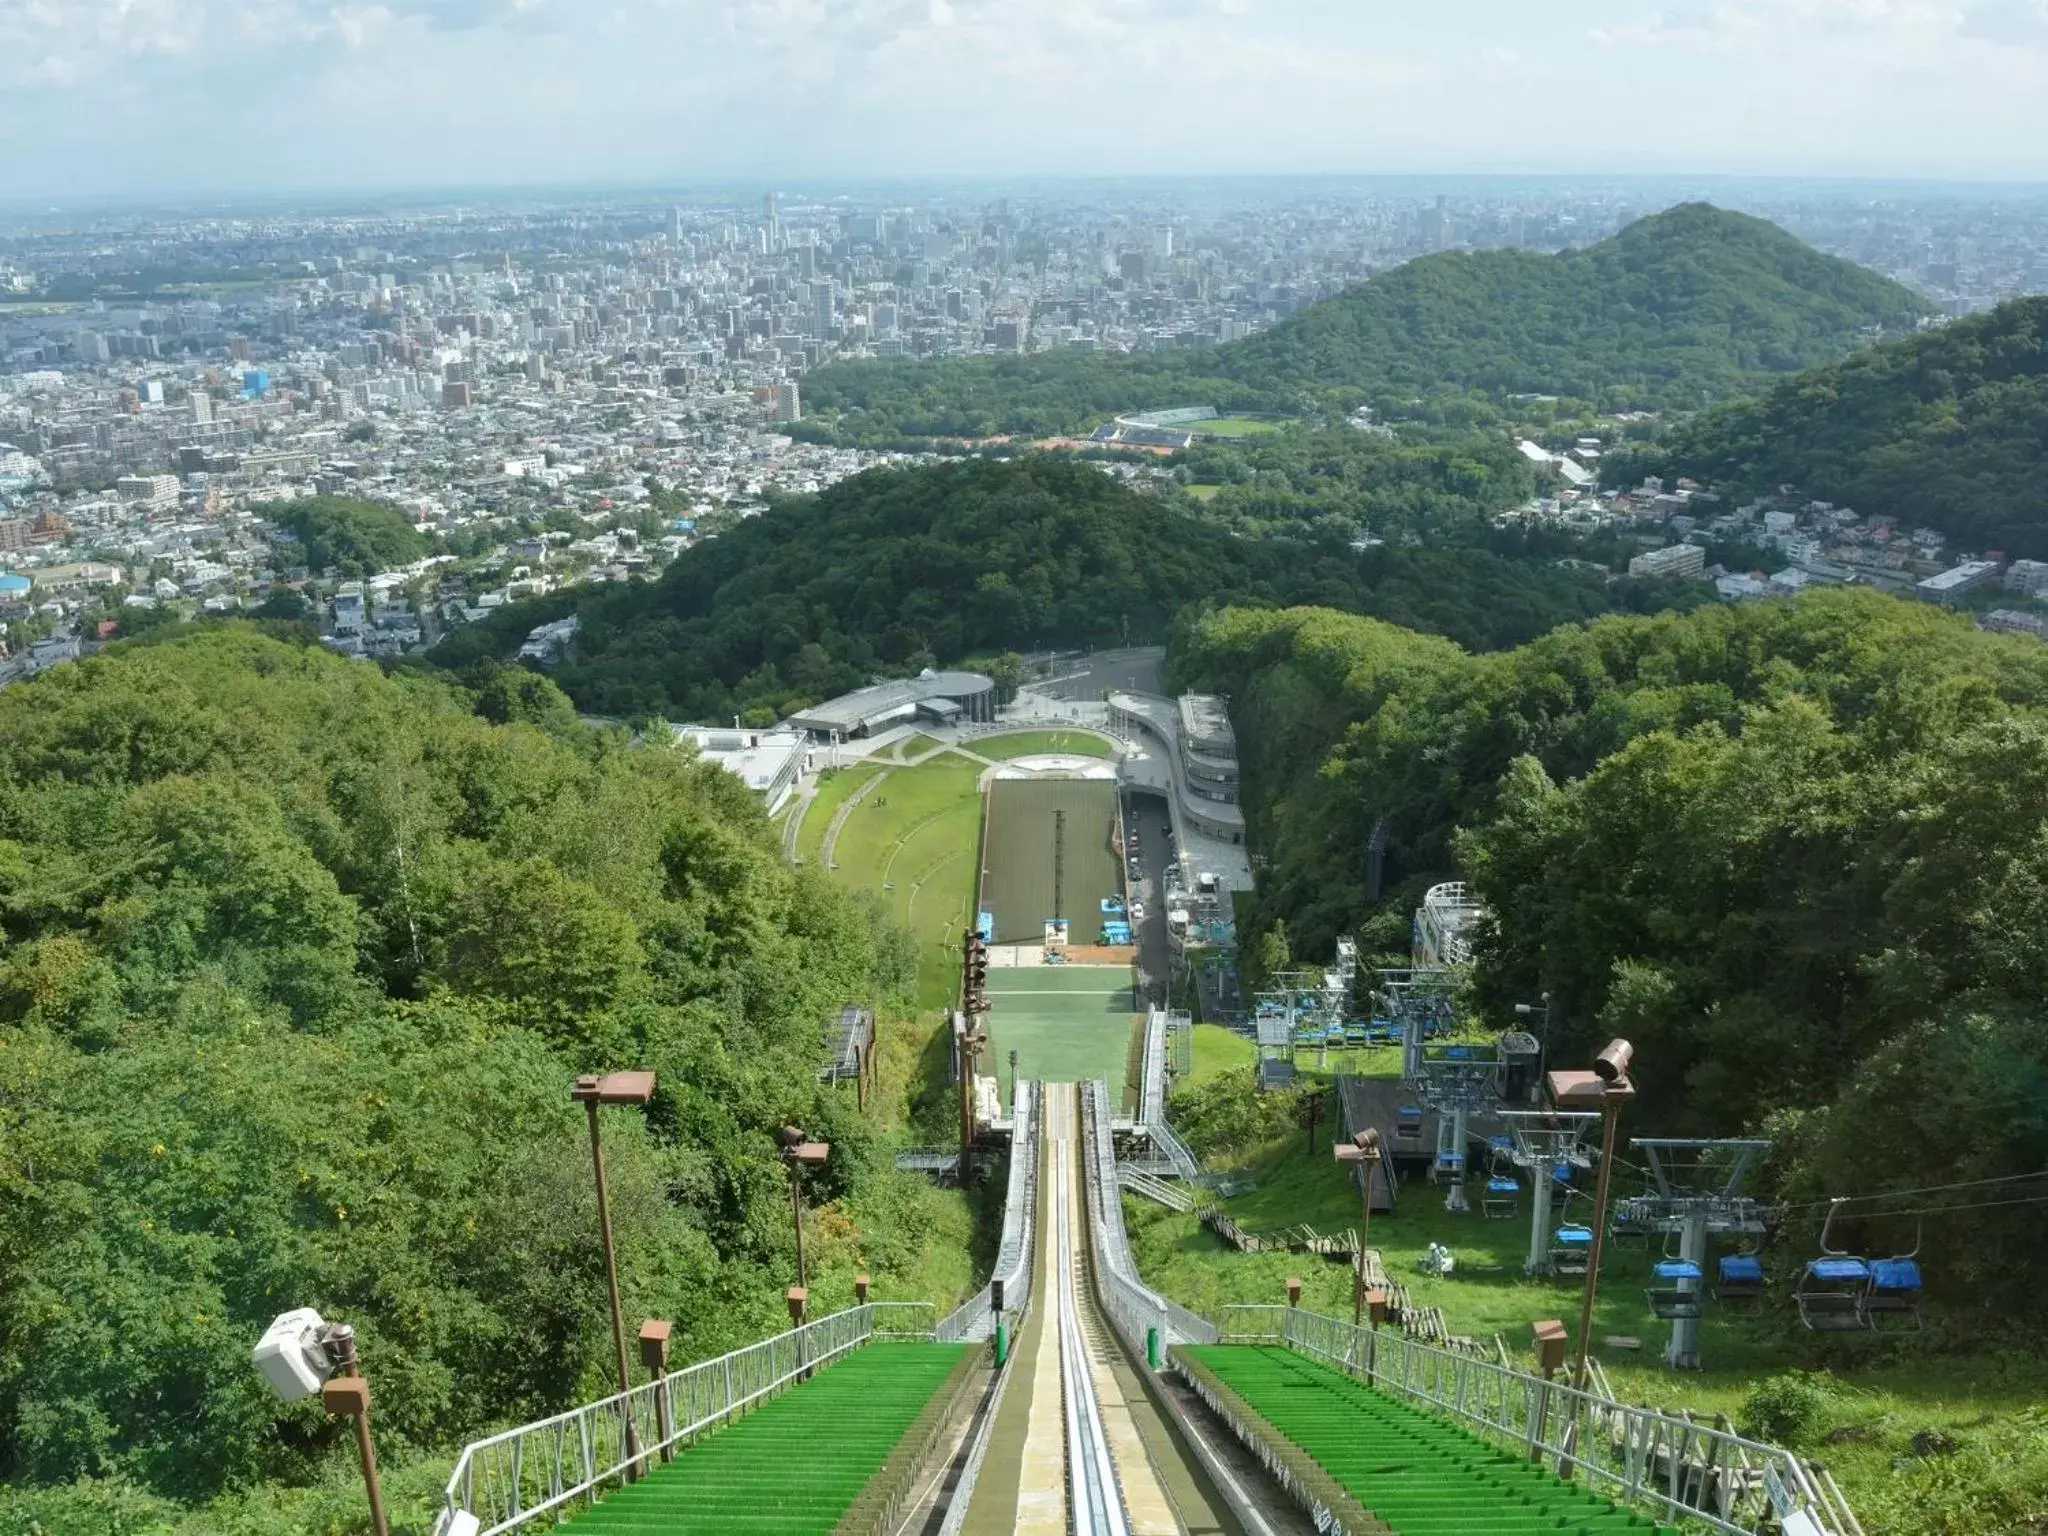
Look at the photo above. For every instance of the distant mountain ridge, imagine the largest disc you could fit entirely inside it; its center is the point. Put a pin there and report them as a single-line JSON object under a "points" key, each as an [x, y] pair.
{"points": [[1684, 308], [1946, 430]]}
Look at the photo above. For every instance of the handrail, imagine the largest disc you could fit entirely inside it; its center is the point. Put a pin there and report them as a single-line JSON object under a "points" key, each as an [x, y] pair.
{"points": [[1152, 1101], [1635, 1455], [539, 1470], [1134, 1308], [973, 1319]]}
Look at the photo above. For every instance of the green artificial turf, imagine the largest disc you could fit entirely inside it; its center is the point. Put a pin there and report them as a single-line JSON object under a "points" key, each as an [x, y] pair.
{"points": [[796, 1464], [1419, 1475]]}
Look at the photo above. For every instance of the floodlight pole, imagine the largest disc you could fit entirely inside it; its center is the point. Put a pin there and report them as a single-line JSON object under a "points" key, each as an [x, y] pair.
{"points": [[611, 1256], [614, 1088], [796, 1216], [1612, 1067], [348, 1392], [1611, 1101], [1363, 1153]]}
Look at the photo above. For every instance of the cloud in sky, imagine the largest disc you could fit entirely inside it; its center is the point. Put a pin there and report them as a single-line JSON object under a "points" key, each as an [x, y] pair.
{"points": [[135, 95]]}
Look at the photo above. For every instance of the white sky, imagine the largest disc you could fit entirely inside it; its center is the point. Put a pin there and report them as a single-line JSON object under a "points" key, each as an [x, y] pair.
{"points": [[140, 95]]}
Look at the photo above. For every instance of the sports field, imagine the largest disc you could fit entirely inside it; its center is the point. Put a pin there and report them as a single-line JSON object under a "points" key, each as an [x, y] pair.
{"points": [[1067, 1023], [1034, 743], [1048, 855], [912, 842]]}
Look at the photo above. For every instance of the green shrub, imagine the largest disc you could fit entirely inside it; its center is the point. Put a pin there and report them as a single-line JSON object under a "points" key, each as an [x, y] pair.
{"points": [[1787, 1408]]}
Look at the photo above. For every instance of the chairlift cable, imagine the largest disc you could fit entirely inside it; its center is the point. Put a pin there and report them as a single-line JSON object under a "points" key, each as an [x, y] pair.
{"points": [[1899, 1194]]}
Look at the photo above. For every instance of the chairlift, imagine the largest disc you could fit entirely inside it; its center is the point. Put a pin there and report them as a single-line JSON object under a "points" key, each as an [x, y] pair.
{"points": [[1667, 1301], [1740, 1277], [1501, 1200], [1571, 1250], [1892, 1298], [1831, 1288]]}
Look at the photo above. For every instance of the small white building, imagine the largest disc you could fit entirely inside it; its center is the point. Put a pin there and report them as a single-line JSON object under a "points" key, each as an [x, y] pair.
{"points": [[768, 762], [1683, 560]]}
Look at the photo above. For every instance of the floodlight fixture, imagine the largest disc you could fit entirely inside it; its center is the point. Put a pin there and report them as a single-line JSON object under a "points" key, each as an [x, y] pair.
{"points": [[301, 1353]]}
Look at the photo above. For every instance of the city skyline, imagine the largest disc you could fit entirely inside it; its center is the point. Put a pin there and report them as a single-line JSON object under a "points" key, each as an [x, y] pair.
{"points": [[106, 99]]}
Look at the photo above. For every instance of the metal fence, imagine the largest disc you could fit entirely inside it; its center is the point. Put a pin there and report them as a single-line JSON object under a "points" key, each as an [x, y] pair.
{"points": [[1634, 1455], [1134, 1308], [547, 1469], [973, 1319]]}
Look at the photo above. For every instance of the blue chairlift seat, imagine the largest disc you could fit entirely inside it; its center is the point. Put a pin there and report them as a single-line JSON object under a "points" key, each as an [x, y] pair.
{"points": [[1741, 1277], [1571, 1250], [1893, 1295], [1667, 1300], [1830, 1293], [1501, 1200]]}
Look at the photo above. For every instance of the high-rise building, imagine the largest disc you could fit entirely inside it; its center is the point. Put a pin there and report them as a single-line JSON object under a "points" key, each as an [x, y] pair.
{"points": [[458, 395], [788, 403]]}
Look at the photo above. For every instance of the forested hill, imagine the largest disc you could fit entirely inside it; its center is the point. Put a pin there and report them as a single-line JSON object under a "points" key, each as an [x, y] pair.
{"points": [[894, 570], [300, 963], [1677, 308], [1683, 307], [1946, 430], [1796, 852]]}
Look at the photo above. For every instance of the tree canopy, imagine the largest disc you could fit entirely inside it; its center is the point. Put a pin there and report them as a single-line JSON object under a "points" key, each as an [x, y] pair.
{"points": [[357, 538], [894, 570], [1792, 850], [301, 961]]}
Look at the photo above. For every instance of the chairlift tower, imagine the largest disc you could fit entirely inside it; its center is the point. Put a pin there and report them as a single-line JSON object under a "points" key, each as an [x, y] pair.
{"points": [[1279, 1010], [1696, 1193], [1546, 1143], [1455, 1081]]}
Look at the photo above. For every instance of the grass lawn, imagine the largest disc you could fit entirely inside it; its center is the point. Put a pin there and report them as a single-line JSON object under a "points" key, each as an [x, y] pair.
{"points": [[1217, 1050], [913, 842], [1885, 1388], [1039, 743], [835, 786], [1203, 492], [914, 746]]}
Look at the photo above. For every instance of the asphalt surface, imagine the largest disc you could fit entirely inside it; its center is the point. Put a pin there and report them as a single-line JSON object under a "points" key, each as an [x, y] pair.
{"points": [[1137, 670], [1147, 826]]}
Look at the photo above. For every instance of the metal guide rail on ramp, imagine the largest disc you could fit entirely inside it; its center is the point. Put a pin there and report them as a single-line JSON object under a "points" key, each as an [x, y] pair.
{"points": [[975, 1318], [1147, 1321]]}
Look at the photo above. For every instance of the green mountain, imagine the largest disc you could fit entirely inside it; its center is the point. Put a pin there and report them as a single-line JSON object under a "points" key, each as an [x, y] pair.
{"points": [[895, 570], [1684, 305], [1946, 430], [1687, 306]]}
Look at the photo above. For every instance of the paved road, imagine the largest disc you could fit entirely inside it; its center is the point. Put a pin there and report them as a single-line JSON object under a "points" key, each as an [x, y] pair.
{"points": [[1146, 817], [1137, 669]]}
